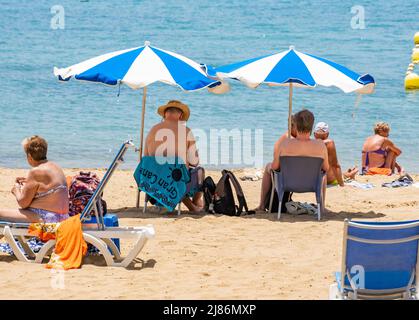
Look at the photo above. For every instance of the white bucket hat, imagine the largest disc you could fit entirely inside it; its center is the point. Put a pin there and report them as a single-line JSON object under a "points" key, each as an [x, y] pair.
{"points": [[321, 127]]}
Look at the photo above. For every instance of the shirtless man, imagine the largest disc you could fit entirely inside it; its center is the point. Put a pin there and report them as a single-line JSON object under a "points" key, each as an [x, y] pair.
{"points": [[303, 145], [266, 179], [172, 137], [379, 151], [42, 196], [334, 174]]}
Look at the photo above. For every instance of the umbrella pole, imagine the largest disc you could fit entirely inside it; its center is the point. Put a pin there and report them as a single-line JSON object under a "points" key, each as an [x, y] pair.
{"points": [[140, 154], [289, 110]]}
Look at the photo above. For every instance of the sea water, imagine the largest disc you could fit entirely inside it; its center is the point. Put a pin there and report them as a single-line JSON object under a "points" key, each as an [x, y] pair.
{"points": [[85, 123]]}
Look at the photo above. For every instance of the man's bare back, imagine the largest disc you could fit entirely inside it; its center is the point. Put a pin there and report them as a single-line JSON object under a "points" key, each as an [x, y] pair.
{"points": [[172, 138]]}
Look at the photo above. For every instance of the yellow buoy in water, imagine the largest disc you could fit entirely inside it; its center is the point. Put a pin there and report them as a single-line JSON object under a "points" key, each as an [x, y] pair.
{"points": [[415, 54], [411, 81]]}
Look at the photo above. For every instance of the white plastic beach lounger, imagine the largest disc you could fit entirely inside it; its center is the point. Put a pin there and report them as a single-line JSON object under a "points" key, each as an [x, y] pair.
{"points": [[17, 233], [101, 239]]}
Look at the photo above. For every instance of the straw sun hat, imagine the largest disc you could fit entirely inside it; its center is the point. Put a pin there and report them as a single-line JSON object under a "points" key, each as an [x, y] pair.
{"points": [[178, 105]]}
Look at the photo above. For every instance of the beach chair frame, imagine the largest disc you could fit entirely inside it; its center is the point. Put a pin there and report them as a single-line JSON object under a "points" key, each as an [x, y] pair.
{"points": [[279, 184], [147, 198], [17, 233], [351, 291], [93, 205]]}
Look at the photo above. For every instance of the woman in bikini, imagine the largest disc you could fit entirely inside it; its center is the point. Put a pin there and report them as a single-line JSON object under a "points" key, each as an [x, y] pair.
{"points": [[335, 175], [42, 196], [379, 151]]}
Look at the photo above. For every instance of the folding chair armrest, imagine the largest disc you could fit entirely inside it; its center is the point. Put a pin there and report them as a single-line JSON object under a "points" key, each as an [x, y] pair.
{"points": [[23, 225], [275, 173]]}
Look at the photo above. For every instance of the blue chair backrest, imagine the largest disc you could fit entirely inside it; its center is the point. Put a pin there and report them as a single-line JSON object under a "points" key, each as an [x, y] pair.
{"points": [[384, 254], [163, 178], [300, 174]]}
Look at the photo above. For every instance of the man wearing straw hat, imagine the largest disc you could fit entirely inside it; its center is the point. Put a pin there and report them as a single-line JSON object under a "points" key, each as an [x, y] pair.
{"points": [[171, 137]]}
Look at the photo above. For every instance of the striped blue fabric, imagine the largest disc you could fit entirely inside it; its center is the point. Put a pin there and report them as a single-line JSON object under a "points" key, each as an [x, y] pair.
{"points": [[112, 70], [295, 67], [140, 67]]}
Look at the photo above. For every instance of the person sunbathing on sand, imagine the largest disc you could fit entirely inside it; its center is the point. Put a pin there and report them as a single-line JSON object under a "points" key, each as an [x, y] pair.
{"points": [[379, 151], [43, 195], [266, 179], [334, 174], [171, 137]]}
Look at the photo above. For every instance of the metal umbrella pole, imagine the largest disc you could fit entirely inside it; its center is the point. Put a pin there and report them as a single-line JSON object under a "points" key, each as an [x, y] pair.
{"points": [[140, 150], [289, 110]]}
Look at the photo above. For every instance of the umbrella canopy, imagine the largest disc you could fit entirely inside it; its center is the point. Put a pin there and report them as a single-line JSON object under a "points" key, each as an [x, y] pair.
{"points": [[300, 69], [294, 68], [139, 67]]}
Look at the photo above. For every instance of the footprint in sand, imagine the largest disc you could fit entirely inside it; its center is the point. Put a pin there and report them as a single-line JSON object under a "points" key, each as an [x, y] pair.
{"points": [[167, 242]]}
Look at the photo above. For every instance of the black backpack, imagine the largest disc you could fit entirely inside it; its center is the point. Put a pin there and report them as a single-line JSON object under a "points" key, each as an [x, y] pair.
{"points": [[220, 199], [208, 188]]}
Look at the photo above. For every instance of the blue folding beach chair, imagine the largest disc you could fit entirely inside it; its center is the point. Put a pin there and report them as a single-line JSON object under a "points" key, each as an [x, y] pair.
{"points": [[379, 261], [300, 175]]}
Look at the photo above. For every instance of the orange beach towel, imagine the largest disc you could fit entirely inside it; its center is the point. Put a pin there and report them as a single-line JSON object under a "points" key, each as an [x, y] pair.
{"points": [[382, 171], [70, 246]]}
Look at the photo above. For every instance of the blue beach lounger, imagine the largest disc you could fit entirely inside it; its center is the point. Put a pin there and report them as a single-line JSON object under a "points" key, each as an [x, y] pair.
{"points": [[379, 261]]}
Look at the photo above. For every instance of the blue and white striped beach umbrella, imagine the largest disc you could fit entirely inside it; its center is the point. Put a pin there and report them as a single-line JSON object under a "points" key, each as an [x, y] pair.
{"points": [[294, 68], [138, 68]]}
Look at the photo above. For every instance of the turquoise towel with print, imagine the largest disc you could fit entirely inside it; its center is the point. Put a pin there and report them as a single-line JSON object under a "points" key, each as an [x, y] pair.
{"points": [[164, 179]]}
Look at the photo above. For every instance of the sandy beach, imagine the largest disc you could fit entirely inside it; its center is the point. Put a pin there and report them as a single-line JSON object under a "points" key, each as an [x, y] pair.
{"points": [[214, 256]]}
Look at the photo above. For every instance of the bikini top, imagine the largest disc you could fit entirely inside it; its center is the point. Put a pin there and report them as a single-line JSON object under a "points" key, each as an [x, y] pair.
{"points": [[378, 151], [50, 191]]}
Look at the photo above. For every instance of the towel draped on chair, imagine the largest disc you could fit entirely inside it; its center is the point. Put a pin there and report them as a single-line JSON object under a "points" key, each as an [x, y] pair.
{"points": [[70, 246], [163, 178]]}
